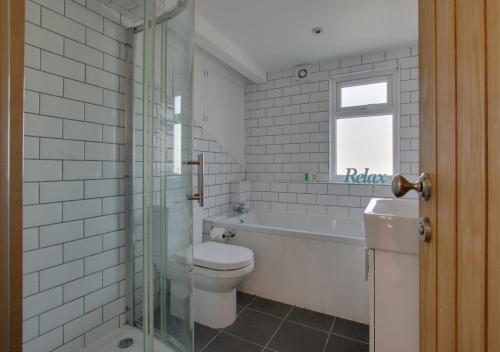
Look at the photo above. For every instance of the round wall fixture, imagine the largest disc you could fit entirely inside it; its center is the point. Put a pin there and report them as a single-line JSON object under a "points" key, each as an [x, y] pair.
{"points": [[318, 30], [302, 73]]}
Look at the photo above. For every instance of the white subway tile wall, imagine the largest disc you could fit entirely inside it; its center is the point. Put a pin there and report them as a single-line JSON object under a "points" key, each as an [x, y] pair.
{"points": [[288, 123], [220, 170], [74, 214], [287, 126]]}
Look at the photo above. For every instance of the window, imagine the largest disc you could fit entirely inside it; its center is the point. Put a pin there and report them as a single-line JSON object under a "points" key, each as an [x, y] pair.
{"points": [[365, 124]]}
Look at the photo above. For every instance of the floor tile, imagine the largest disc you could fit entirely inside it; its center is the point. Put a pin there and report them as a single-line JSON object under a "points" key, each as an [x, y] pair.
{"points": [[297, 338], [202, 336], [228, 343], [270, 307], [243, 298], [254, 326], [311, 318], [303, 330], [341, 344], [351, 329]]}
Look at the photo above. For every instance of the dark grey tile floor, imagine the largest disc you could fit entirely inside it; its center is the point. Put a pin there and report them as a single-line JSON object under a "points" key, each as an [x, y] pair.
{"points": [[268, 326]]}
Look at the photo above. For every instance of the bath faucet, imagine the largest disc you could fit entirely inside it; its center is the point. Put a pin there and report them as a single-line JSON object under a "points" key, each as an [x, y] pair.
{"points": [[241, 209]]}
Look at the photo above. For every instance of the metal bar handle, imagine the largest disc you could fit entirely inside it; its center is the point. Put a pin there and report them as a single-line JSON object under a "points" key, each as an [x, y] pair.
{"points": [[199, 196]]}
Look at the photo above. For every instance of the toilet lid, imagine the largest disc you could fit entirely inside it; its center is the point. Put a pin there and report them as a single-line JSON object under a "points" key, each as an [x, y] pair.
{"points": [[222, 256]]}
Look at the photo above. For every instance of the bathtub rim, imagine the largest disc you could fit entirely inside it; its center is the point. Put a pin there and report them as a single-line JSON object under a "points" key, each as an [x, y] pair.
{"points": [[218, 221]]}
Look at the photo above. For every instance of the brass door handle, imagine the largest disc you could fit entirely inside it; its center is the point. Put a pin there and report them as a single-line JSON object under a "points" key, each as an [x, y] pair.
{"points": [[199, 196], [401, 186]]}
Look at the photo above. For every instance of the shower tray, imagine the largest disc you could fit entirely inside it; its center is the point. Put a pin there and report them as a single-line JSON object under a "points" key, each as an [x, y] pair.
{"points": [[111, 341]]}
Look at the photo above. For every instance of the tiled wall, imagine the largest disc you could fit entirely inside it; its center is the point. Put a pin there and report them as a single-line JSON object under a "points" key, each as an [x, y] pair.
{"points": [[220, 169], [287, 133], [74, 214], [315, 198]]}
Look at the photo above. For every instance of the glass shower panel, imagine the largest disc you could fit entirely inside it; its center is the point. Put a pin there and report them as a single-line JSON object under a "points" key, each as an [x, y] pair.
{"points": [[162, 143]]}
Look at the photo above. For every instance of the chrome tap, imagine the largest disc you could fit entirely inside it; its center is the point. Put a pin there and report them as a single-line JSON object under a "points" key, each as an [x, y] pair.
{"points": [[241, 209]]}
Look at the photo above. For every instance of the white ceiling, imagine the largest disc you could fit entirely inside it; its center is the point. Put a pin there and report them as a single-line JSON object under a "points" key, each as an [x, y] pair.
{"points": [[277, 33]]}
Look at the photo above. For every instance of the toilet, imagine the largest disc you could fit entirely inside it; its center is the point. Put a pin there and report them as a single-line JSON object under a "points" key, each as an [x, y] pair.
{"points": [[218, 268]]}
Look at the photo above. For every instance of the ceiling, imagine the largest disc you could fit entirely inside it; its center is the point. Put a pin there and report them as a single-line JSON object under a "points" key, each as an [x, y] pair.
{"points": [[277, 33], [133, 10]]}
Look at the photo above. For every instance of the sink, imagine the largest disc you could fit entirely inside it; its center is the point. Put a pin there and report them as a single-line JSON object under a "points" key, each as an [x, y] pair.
{"points": [[391, 225]]}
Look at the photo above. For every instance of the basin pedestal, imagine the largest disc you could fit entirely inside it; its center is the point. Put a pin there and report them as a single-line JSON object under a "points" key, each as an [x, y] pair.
{"points": [[391, 234]]}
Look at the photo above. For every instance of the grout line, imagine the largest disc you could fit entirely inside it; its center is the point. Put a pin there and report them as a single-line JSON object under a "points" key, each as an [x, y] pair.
{"points": [[211, 340], [309, 326], [243, 339], [247, 305], [268, 314], [350, 338], [279, 327], [329, 334]]}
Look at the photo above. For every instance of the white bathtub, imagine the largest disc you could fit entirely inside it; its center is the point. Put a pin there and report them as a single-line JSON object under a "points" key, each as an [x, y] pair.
{"points": [[314, 227], [312, 261]]}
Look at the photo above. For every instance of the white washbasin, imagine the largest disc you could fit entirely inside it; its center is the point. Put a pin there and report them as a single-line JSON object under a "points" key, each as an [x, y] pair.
{"points": [[391, 225]]}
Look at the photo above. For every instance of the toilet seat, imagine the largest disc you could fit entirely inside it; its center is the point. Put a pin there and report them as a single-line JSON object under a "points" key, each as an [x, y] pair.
{"points": [[216, 256], [223, 274]]}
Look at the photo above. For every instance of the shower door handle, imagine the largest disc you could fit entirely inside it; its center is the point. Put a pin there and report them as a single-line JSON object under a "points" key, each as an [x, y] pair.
{"points": [[199, 196]]}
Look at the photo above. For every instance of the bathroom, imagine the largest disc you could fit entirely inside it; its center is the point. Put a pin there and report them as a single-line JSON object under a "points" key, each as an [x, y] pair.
{"points": [[215, 175], [85, 178]]}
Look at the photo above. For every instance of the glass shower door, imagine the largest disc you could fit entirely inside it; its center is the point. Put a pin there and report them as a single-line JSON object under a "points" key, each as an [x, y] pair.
{"points": [[165, 130]]}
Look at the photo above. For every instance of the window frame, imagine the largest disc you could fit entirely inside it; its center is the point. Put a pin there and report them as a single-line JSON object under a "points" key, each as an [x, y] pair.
{"points": [[392, 107]]}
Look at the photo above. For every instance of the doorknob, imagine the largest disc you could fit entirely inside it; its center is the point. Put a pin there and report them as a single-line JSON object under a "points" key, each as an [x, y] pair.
{"points": [[401, 186]]}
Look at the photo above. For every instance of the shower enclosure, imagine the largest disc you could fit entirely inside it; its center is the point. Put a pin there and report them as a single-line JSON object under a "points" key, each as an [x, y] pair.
{"points": [[159, 280], [159, 132]]}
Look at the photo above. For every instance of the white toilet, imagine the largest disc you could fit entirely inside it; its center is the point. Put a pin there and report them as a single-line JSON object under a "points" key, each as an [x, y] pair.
{"points": [[218, 269]]}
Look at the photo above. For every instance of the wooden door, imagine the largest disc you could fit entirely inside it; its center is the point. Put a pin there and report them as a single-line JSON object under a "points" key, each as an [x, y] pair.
{"points": [[460, 148], [11, 164]]}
